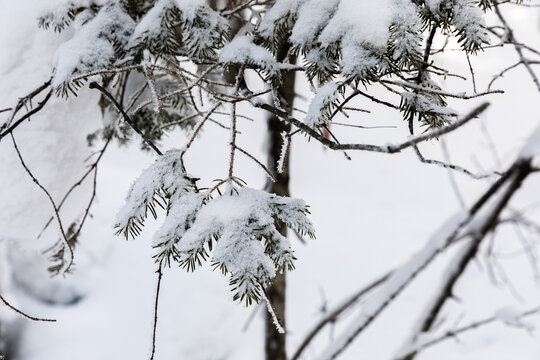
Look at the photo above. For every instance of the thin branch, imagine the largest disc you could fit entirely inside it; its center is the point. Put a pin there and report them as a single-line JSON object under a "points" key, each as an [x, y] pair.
{"points": [[364, 127], [509, 33], [266, 170], [475, 325], [40, 106], [233, 139], [520, 170], [92, 167], [20, 312], [55, 208], [333, 315], [462, 96], [95, 85], [472, 72], [156, 305], [390, 149], [199, 126], [459, 228]]}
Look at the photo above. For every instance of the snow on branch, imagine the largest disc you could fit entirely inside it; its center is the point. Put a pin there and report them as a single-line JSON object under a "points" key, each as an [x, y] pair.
{"points": [[162, 182], [238, 226], [155, 31], [390, 148], [248, 246], [93, 46], [466, 18], [173, 51], [396, 283], [204, 29], [241, 50], [320, 108]]}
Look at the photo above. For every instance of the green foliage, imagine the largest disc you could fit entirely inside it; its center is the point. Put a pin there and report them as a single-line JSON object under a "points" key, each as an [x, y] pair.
{"points": [[61, 19], [188, 238], [136, 8], [278, 37], [203, 35], [57, 23], [164, 42], [322, 64], [403, 56], [134, 224], [57, 253], [69, 88], [425, 105]]}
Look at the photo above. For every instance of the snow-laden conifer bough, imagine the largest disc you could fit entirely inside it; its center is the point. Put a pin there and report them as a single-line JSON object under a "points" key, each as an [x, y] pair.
{"points": [[161, 65]]}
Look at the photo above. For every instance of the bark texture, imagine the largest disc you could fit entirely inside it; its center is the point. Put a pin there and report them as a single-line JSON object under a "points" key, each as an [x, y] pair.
{"points": [[275, 343]]}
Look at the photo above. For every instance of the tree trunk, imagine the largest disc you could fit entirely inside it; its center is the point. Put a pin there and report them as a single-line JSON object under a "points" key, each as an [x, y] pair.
{"points": [[9, 342], [2, 340], [275, 343]]}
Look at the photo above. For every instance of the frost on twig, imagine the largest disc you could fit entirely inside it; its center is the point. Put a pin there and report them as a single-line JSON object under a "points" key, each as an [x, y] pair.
{"points": [[272, 313], [320, 108], [286, 142]]}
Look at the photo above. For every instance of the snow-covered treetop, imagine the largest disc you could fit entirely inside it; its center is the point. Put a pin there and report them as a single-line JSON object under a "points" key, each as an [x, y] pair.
{"points": [[349, 41]]}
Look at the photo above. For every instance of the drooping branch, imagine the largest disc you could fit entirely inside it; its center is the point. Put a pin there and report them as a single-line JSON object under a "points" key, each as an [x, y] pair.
{"points": [[64, 237], [20, 312], [95, 85]]}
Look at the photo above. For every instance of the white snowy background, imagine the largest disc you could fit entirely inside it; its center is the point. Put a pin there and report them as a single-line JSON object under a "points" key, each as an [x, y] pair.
{"points": [[370, 214]]}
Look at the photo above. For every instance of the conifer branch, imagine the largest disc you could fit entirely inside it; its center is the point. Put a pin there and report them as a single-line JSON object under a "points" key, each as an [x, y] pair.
{"points": [[391, 148]]}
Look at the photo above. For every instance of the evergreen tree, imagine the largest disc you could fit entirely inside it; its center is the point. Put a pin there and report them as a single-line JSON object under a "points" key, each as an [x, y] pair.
{"points": [[163, 65]]}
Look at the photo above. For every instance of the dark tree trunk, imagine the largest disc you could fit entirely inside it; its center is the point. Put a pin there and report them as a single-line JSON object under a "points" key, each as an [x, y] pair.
{"points": [[9, 342], [275, 343], [2, 342], [3, 338]]}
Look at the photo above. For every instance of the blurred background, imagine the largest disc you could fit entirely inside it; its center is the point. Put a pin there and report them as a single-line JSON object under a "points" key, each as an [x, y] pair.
{"points": [[371, 213]]}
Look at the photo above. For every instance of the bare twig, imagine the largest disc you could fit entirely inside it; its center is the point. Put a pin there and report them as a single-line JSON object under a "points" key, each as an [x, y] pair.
{"points": [[20, 312], [55, 207], [95, 85], [92, 168], [35, 110], [452, 334], [333, 315], [268, 172], [156, 305]]}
